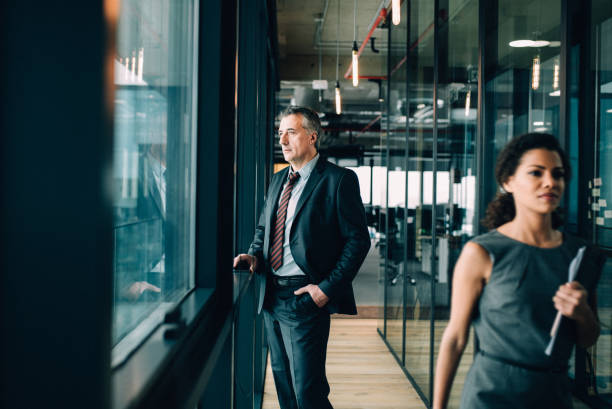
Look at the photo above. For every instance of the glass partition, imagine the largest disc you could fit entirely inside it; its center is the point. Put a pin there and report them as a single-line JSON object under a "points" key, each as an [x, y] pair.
{"points": [[515, 48], [418, 214], [379, 210], [522, 73], [456, 160], [601, 192], [396, 182], [153, 174]]}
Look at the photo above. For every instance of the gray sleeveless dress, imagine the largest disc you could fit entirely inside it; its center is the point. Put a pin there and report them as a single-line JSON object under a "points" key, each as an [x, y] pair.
{"points": [[512, 323]]}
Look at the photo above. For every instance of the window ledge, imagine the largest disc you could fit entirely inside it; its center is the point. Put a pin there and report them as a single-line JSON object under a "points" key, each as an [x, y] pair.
{"points": [[137, 368]]}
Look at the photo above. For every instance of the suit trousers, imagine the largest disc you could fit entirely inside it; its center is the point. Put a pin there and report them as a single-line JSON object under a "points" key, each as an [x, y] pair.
{"points": [[297, 331]]}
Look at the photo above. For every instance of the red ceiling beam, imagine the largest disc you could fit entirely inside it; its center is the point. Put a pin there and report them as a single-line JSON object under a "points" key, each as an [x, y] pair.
{"points": [[381, 16]]}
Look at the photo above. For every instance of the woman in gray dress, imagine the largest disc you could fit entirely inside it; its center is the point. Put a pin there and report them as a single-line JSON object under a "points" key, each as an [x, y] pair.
{"points": [[511, 282]]}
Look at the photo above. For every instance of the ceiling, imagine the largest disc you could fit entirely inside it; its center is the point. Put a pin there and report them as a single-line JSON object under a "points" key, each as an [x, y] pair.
{"points": [[308, 37], [309, 32]]}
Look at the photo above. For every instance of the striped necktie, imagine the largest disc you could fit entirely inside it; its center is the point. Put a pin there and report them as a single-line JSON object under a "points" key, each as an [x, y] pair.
{"points": [[278, 235]]}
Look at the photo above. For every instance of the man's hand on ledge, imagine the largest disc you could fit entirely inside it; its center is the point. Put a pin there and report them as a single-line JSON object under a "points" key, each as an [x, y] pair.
{"points": [[315, 292], [137, 288], [246, 260]]}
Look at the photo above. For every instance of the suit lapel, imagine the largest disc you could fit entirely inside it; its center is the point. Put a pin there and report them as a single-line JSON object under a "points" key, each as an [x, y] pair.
{"points": [[272, 205], [313, 181]]}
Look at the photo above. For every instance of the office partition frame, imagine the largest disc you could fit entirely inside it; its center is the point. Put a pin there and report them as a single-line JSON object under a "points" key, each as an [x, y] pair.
{"points": [[572, 23]]}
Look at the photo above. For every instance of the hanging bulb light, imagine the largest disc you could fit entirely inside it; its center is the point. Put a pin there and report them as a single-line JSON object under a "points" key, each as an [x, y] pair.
{"points": [[355, 49], [395, 11], [338, 99], [133, 71], [468, 98], [355, 65], [535, 73], [140, 63], [556, 76]]}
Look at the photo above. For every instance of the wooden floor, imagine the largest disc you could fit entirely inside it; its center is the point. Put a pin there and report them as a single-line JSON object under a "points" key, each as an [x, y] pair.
{"points": [[361, 372]]}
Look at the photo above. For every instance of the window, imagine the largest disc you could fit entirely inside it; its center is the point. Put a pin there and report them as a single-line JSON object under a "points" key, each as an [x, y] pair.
{"points": [[154, 164]]}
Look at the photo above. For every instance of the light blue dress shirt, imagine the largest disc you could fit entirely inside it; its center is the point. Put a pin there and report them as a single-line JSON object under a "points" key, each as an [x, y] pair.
{"points": [[289, 267]]}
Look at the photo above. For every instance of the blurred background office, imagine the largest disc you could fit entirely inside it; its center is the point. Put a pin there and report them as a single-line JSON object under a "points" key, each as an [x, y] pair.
{"points": [[138, 139]]}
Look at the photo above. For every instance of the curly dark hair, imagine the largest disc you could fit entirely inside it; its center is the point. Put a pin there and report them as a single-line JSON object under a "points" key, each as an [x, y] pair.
{"points": [[501, 209]]}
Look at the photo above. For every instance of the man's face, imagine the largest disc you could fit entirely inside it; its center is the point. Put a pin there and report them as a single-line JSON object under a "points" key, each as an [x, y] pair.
{"points": [[298, 144]]}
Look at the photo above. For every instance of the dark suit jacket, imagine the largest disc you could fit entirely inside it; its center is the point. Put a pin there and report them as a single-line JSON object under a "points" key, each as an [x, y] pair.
{"points": [[329, 237]]}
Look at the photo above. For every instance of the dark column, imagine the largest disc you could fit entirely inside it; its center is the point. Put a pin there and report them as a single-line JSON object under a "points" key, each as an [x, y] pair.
{"points": [[55, 205]]}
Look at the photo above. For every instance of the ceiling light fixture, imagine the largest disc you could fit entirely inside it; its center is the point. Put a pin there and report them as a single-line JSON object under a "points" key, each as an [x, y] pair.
{"points": [[320, 63], [355, 49], [338, 98], [355, 65], [521, 43], [535, 73], [529, 43], [140, 63], [395, 12], [468, 95], [556, 75]]}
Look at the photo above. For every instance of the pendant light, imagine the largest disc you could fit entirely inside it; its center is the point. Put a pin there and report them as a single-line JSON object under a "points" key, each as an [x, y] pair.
{"points": [[395, 12], [338, 98], [535, 69], [320, 63], [355, 49], [535, 73]]}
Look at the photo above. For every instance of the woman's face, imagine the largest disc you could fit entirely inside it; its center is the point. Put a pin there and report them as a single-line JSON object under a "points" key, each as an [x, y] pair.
{"points": [[537, 184]]}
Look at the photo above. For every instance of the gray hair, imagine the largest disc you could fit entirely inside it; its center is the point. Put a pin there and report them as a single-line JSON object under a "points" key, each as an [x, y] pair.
{"points": [[310, 119]]}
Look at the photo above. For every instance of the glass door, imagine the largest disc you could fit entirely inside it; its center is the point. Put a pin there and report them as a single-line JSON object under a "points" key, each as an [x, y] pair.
{"points": [[599, 362]]}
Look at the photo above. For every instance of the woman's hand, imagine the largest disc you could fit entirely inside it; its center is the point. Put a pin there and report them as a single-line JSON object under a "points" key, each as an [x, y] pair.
{"points": [[573, 302]]}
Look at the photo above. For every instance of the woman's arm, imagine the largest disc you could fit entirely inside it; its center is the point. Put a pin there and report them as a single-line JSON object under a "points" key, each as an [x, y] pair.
{"points": [[472, 270], [573, 302]]}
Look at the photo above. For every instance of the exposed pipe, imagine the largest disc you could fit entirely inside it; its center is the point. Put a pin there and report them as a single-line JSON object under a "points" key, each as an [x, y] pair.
{"points": [[381, 16], [318, 34], [374, 50], [319, 31], [372, 122], [412, 47], [400, 63]]}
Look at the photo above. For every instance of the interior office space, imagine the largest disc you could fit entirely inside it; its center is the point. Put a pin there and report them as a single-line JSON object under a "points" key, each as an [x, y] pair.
{"points": [[138, 138]]}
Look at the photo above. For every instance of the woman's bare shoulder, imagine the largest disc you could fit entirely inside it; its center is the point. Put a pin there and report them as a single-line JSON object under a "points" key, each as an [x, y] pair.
{"points": [[475, 251], [475, 261]]}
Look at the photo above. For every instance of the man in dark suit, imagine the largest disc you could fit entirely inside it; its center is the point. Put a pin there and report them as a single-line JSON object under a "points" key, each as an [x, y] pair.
{"points": [[310, 241]]}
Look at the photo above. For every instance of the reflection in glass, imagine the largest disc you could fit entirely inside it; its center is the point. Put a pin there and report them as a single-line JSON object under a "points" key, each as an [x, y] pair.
{"points": [[396, 186], [377, 210], [456, 170], [418, 108], [601, 192], [153, 172], [522, 83]]}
